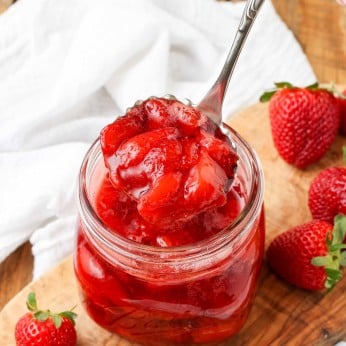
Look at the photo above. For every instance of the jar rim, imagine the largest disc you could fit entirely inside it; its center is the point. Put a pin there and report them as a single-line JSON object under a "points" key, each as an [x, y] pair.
{"points": [[107, 237]]}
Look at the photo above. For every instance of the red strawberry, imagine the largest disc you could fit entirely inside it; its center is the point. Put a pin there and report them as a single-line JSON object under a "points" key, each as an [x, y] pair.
{"points": [[38, 327], [309, 256], [304, 122], [342, 101], [327, 194]]}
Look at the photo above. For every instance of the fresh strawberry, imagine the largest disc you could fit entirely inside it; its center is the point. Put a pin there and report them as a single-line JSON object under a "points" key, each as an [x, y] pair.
{"points": [[327, 193], [304, 122], [310, 255], [39, 327], [342, 101]]}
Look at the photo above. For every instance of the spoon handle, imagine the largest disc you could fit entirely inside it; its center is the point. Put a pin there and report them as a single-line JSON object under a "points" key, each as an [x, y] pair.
{"points": [[211, 104]]}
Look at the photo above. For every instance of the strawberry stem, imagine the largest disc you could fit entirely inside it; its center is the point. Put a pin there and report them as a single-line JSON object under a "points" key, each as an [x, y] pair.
{"points": [[43, 315], [336, 257]]}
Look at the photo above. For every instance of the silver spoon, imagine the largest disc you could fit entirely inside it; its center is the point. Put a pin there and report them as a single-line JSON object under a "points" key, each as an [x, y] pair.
{"points": [[211, 104]]}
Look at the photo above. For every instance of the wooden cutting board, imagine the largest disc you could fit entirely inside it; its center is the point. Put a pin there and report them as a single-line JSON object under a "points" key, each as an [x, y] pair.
{"points": [[282, 314]]}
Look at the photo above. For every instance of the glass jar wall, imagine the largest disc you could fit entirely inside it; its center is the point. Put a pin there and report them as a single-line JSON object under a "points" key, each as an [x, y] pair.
{"points": [[192, 294]]}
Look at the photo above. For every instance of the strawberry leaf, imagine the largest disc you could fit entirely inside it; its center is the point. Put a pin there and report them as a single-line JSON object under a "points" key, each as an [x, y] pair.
{"points": [[343, 259], [339, 232], [42, 315], [333, 277], [69, 315], [337, 247], [322, 261], [313, 86], [334, 274], [281, 85], [344, 154], [57, 320], [265, 97], [31, 302]]}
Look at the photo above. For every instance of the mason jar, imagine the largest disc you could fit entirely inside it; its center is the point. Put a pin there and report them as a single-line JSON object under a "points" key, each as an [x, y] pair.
{"points": [[185, 295]]}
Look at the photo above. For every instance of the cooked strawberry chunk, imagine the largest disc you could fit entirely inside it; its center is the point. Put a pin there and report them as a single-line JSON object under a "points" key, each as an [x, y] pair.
{"points": [[186, 117], [143, 158], [157, 206], [133, 151], [205, 186], [221, 151], [125, 127], [157, 113], [169, 159], [190, 153]]}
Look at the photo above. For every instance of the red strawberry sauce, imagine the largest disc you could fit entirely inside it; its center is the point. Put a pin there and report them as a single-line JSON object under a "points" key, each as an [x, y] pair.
{"points": [[170, 240]]}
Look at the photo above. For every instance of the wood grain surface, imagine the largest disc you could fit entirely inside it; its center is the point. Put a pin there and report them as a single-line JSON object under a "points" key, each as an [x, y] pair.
{"points": [[15, 273], [4, 4], [282, 314], [320, 27]]}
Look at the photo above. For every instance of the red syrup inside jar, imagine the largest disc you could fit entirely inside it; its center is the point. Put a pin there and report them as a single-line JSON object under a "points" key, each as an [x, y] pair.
{"points": [[169, 182]]}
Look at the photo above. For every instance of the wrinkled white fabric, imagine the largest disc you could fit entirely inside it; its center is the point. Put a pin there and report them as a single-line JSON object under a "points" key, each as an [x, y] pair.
{"points": [[69, 67]]}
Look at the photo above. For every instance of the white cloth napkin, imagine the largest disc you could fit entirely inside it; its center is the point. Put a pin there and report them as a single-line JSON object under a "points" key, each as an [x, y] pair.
{"points": [[69, 67]]}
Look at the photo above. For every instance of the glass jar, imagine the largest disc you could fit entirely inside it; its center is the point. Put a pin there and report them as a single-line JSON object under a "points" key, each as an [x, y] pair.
{"points": [[185, 295]]}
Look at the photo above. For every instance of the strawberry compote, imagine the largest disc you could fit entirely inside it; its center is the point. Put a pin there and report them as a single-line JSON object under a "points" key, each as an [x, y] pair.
{"points": [[171, 230]]}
